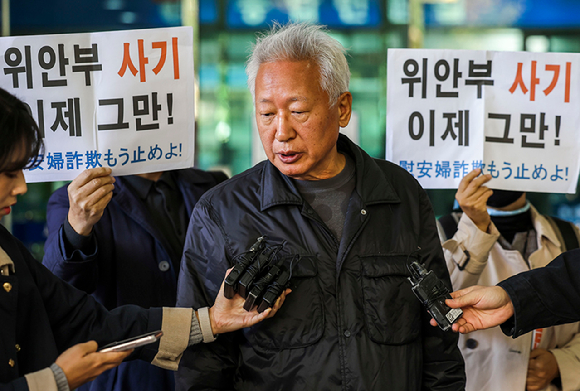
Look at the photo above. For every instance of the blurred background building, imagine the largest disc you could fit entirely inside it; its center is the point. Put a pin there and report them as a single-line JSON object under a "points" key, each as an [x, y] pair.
{"points": [[226, 137]]}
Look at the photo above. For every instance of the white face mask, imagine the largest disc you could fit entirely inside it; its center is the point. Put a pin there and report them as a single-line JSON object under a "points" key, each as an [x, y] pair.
{"points": [[495, 212]]}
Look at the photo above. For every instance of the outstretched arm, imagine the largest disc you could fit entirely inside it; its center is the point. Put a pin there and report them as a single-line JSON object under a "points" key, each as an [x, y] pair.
{"points": [[483, 307], [542, 297]]}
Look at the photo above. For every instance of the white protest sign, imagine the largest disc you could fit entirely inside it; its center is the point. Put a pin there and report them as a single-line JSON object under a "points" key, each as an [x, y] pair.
{"points": [[116, 99], [514, 114]]}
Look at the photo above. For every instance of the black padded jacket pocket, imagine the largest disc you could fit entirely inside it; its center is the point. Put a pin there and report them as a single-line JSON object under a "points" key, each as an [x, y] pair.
{"points": [[391, 310], [300, 321]]}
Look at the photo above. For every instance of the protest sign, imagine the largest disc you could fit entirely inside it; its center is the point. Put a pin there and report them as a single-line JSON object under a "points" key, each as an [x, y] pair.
{"points": [[513, 114], [121, 99]]}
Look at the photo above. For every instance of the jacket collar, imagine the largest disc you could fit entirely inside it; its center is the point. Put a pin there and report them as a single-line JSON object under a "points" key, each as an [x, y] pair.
{"points": [[6, 264], [371, 183], [544, 228]]}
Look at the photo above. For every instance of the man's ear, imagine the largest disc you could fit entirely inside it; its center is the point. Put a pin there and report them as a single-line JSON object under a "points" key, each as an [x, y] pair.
{"points": [[344, 106]]}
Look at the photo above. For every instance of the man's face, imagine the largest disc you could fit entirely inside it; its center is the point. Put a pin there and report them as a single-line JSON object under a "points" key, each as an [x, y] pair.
{"points": [[297, 125]]}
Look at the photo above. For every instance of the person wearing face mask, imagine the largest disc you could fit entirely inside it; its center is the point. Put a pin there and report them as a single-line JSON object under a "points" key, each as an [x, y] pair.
{"points": [[496, 235]]}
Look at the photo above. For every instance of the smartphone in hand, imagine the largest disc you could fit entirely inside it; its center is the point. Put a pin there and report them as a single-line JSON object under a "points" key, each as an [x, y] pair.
{"points": [[132, 343]]}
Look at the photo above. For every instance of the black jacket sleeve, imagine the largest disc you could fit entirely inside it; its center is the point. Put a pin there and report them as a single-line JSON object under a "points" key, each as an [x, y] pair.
{"points": [[443, 365], [19, 384], [545, 296]]}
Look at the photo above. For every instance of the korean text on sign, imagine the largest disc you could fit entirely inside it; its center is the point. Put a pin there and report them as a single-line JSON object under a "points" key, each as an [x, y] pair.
{"points": [[117, 99], [512, 114]]}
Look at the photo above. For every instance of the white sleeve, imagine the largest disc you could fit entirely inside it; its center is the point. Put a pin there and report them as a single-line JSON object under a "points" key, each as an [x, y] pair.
{"points": [[467, 251]]}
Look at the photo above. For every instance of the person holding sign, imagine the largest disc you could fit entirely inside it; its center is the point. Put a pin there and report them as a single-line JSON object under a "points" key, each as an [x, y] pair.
{"points": [[46, 322], [499, 234], [120, 239], [344, 224]]}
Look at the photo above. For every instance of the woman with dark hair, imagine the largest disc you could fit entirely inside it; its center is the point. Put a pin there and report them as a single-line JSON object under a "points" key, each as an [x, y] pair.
{"points": [[19, 130], [46, 322]]}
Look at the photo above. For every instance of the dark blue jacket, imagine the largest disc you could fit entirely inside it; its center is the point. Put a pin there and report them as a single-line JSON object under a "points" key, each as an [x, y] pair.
{"points": [[351, 321], [546, 296], [45, 316], [132, 265]]}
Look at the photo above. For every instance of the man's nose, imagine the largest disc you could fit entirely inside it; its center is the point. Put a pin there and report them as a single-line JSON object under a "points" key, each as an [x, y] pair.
{"points": [[284, 129]]}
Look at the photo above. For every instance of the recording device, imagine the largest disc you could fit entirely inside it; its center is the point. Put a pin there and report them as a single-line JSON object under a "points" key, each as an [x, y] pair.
{"points": [[132, 343], [258, 288], [256, 269], [241, 264], [260, 275], [432, 292], [274, 290]]}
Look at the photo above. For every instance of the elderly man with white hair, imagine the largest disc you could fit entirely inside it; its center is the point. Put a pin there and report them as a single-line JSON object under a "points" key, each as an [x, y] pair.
{"points": [[351, 321]]}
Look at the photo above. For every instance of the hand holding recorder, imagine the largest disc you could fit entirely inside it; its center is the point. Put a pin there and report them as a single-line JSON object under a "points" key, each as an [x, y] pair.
{"points": [[483, 307]]}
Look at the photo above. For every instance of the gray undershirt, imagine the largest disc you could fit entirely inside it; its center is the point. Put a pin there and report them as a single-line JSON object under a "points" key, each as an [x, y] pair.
{"points": [[330, 197]]}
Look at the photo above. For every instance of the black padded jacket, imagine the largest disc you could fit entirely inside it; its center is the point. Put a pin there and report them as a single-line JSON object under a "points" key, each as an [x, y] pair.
{"points": [[351, 321]]}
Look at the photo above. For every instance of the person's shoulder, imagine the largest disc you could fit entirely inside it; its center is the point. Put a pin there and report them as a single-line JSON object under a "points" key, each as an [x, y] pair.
{"points": [[390, 166], [246, 183], [196, 175], [395, 173], [60, 194]]}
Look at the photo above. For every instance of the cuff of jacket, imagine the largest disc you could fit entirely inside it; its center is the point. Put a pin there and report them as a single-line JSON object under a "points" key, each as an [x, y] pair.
{"points": [[60, 377], [523, 321], [176, 327], [41, 381], [73, 243]]}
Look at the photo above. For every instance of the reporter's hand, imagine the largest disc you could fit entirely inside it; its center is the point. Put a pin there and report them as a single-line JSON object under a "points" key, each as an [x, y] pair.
{"points": [[88, 195], [82, 363], [472, 197], [483, 307], [228, 315], [542, 369]]}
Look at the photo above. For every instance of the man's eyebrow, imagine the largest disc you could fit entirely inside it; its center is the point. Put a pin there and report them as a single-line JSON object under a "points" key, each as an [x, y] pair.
{"points": [[293, 99]]}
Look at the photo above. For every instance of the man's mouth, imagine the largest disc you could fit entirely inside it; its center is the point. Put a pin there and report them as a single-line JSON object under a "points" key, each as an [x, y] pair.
{"points": [[289, 157]]}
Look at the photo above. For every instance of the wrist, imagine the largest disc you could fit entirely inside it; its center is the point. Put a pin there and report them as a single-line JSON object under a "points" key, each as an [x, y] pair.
{"points": [[212, 322], [483, 226], [79, 228]]}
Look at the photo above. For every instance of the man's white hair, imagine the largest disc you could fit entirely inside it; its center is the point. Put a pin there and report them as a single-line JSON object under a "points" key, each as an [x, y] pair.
{"points": [[302, 42]]}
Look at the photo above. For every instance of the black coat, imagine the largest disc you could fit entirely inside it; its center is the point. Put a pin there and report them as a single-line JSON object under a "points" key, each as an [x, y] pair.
{"points": [[351, 321], [45, 316], [545, 296]]}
